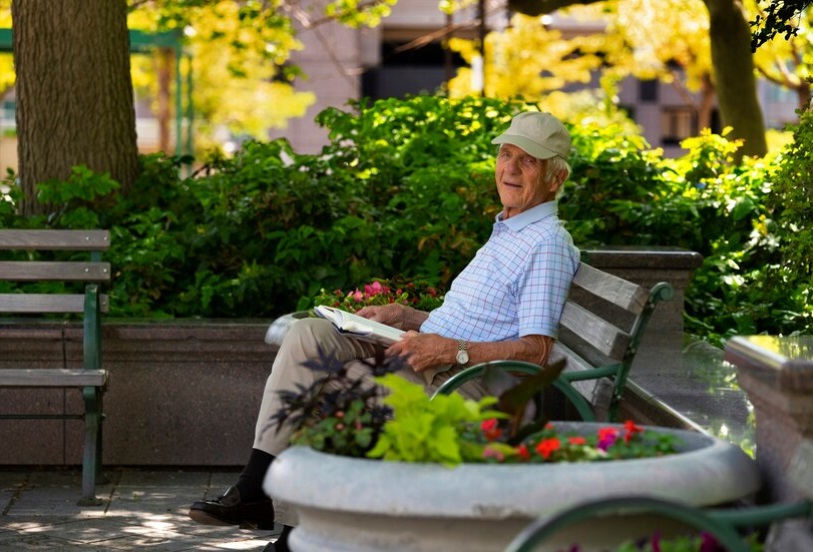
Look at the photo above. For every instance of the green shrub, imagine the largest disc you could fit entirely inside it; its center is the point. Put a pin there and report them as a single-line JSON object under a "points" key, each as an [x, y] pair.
{"points": [[405, 190]]}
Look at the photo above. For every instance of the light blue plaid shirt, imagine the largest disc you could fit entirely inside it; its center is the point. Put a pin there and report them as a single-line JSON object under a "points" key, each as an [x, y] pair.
{"points": [[517, 283]]}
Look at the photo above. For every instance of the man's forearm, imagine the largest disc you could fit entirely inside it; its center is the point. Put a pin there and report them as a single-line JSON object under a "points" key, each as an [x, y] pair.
{"points": [[532, 348]]}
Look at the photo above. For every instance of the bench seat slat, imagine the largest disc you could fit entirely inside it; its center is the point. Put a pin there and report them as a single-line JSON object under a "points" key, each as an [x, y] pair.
{"points": [[51, 303], [52, 377], [600, 334], [73, 240], [52, 271], [626, 295]]}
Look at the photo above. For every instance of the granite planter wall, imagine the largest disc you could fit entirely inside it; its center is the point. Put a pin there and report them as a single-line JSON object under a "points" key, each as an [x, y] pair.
{"points": [[373, 506], [180, 393]]}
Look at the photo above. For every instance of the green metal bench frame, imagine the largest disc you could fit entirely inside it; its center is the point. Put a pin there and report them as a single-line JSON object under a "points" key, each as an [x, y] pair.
{"points": [[90, 378], [601, 328], [720, 523]]}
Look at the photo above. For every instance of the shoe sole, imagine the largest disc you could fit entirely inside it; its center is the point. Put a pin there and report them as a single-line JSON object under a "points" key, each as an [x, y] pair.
{"points": [[206, 518]]}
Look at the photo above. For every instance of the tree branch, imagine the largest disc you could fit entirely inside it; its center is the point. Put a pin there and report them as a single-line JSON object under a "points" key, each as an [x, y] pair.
{"points": [[541, 7]]}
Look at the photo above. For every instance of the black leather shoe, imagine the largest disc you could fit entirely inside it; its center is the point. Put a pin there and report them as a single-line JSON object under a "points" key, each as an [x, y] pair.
{"points": [[229, 509]]}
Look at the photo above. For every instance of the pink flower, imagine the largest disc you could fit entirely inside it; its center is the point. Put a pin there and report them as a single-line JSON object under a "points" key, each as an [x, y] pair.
{"points": [[489, 452], [375, 288], [357, 295]]}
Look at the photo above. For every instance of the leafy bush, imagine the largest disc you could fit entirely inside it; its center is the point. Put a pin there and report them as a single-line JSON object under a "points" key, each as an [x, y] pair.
{"points": [[405, 191]]}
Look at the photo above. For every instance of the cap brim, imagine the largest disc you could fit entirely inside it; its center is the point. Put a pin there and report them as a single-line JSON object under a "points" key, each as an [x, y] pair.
{"points": [[527, 145]]}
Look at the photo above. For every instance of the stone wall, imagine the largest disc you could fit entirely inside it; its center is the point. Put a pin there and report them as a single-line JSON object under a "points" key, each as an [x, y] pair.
{"points": [[180, 393]]}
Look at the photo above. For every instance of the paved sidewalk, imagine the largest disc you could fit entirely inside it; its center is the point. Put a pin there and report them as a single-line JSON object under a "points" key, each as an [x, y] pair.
{"points": [[143, 509]]}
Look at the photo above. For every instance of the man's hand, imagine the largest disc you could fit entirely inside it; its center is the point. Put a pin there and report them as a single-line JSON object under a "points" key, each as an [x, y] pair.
{"points": [[423, 351], [395, 315]]}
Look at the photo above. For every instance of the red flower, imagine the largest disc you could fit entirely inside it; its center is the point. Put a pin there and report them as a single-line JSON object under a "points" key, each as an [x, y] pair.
{"points": [[578, 440], [630, 429], [523, 452], [491, 429], [546, 447]]}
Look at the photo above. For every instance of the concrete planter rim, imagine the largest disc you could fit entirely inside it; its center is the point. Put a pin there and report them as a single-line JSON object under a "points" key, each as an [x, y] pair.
{"points": [[707, 471]]}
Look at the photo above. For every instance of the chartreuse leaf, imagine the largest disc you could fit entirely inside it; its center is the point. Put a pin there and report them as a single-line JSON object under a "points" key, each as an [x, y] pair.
{"points": [[424, 430]]}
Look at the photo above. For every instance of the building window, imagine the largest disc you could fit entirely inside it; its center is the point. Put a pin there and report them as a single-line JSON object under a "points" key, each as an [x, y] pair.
{"points": [[677, 124], [648, 90], [405, 71]]}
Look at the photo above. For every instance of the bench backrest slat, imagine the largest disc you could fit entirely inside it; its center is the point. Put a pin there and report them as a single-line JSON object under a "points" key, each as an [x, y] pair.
{"points": [[52, 271], [55, 240], [601, 327], [607, 339], [51, 303], [622, 293]]}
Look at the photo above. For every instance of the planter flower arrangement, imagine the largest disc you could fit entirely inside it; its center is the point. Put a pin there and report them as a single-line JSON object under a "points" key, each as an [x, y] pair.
{"points": [[404, 424], [415, 293], [383, 454]]}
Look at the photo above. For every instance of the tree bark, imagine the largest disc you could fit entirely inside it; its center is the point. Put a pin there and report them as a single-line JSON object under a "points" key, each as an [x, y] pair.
{"points": [[734, 74], [74, 91]]}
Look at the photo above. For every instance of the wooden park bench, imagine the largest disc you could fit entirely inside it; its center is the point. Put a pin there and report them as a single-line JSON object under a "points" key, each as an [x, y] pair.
{"points": [[37, 256], [600, 331]]}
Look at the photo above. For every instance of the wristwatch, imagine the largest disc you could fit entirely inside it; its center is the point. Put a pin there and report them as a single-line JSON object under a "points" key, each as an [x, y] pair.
{"points": [[462, 354]]}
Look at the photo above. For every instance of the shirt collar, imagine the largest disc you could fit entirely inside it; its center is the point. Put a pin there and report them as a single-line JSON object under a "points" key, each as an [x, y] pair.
{"points": [[520, 221]]}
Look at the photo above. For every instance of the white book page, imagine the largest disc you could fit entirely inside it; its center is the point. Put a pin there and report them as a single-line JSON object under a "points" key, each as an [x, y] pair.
{"points": [[359, 327]]}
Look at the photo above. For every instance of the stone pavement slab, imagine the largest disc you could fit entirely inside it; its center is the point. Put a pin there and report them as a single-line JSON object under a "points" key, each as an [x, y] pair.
{"points": [[142, 508]]}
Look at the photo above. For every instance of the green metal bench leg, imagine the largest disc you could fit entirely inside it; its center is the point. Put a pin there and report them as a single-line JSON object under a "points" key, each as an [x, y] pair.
{"points": [[540, 531], [583, 407], [92, 450]]}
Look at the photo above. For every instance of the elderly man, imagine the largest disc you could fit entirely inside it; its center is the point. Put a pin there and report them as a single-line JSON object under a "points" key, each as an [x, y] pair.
{"points": [[505, 304]]}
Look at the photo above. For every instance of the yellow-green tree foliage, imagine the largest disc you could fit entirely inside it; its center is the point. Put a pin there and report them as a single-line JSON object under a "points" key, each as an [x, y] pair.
{"points": [[6, 59], [667, 40], [642, 38], [237, 58]]}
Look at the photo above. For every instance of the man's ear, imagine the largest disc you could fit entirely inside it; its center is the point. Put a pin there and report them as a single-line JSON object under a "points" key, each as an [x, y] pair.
{"points": [[558, 180]]}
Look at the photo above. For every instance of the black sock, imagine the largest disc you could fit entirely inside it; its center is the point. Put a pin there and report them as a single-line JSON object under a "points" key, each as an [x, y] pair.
{"points": [[250, 483]]}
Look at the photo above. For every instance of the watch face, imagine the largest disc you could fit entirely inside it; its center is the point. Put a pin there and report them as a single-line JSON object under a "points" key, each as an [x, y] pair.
{"points": [[462, 357]]}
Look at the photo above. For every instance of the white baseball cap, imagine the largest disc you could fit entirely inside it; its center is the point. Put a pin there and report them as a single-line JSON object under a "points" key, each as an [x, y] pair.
{"points": [[537, 133]]}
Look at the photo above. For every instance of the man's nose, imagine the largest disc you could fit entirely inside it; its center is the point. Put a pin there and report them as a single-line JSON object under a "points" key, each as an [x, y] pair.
{"points": [[513, 165]]}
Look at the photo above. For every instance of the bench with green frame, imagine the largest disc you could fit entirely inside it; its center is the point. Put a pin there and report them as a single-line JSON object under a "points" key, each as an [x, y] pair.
{"points": [[600, 332], [74, 257]]}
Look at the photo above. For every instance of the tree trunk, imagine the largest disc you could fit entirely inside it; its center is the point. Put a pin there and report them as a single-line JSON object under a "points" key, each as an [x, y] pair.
{"points": [[734, 72], [74, 91], [706, 104]]}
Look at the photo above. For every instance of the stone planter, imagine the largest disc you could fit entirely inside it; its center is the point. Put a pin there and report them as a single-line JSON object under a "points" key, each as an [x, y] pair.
{"points": [[349, 504]]}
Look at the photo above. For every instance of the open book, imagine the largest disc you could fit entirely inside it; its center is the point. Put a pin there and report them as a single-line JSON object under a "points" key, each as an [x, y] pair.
{"points": [[359, 327]]}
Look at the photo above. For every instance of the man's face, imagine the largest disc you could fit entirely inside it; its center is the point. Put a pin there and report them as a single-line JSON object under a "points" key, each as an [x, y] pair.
{"points": [[520, 181]]}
